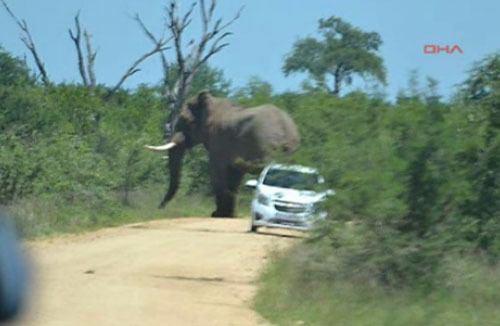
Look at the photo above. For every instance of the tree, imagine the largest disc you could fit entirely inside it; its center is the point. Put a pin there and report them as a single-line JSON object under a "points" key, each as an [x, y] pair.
{"points": [[190, 57], [482, 91], [85, 64], [343, 51], [27, 39], [255, 92], [207, 78], [484, 79], [13, 71], [431, 92]]}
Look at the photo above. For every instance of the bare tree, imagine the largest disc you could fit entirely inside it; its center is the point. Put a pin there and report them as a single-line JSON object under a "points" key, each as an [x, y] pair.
{"points": [[27, 39], [77, 40], [134, 68], [85, 62], [91, 55], [176, 84], [156, 41], [211, 41]]}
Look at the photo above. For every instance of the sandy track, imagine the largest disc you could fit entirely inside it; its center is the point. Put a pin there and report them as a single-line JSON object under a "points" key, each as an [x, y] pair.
{"points": [[174, 272]]}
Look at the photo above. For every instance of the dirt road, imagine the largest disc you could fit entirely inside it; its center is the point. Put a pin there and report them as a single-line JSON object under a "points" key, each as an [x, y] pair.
{"points": [[174, 272]]}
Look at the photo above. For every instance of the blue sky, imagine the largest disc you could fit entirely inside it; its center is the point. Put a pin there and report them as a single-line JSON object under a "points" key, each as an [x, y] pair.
{"points": [[264, 35]]}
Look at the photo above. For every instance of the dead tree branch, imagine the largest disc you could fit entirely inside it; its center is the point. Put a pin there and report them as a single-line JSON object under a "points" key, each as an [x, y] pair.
{"points": [[85, 63], [27, 39], [91, 55], [77, 40], [156, 41], [133, 69], [159, 48]]}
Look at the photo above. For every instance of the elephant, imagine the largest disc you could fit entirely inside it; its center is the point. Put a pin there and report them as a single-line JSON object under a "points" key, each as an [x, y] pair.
{"points": [[235, 138]]}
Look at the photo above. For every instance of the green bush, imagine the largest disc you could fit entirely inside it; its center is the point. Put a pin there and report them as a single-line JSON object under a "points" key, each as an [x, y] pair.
{"points": [[300, 287]]}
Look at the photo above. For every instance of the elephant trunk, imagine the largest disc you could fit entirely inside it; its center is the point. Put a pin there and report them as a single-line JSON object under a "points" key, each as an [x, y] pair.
{"points": [[175, 166]]}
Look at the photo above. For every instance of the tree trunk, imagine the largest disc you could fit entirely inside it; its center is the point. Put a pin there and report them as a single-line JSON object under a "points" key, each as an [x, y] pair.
{"points": [[337, 79]]}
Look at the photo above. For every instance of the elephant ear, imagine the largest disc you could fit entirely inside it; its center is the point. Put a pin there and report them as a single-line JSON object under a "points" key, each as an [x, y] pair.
{"points": [[203, 100]]}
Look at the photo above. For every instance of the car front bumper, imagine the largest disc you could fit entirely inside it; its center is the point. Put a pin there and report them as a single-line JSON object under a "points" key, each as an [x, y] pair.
{"points": [[269, 216]]}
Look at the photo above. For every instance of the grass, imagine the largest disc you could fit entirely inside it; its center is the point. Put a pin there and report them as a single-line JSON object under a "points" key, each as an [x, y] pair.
{"points": [[287, 296], [49, 215]]}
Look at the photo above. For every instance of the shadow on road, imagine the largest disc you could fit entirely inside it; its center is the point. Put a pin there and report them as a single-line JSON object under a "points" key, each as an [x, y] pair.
{"points": [[196, 279], [280, 235], [264, 233]]}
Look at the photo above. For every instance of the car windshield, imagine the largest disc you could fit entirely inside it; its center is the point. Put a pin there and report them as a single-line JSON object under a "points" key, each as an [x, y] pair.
{"points": [[291, 179]]}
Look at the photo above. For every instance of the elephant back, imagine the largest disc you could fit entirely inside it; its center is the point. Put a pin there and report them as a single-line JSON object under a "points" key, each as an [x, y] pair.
{"points": [[276, 130]]}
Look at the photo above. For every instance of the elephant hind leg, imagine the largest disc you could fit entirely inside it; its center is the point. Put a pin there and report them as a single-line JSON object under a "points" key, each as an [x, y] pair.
{"points": [[219, 202]]}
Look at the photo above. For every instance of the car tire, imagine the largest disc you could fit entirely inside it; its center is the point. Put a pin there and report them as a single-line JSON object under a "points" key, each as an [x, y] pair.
{"points": [[253, 228]]}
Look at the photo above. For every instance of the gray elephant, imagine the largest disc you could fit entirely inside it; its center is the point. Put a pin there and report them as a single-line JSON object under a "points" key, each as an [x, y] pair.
{"points": [[236, 139]]}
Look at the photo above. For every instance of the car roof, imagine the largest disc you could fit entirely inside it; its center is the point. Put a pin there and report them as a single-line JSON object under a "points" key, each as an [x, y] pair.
{"points": [[295, 167]]}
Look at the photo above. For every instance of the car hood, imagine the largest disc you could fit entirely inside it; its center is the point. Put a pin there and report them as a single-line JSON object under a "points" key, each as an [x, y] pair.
{"points": [[291, 195]]}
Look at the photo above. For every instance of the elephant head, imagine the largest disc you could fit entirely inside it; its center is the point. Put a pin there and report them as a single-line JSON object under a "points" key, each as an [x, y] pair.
{"points": [[189, 131]]}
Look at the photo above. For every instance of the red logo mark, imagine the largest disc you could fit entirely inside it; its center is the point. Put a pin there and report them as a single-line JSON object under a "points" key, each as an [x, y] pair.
{"points": [[437, 49]]}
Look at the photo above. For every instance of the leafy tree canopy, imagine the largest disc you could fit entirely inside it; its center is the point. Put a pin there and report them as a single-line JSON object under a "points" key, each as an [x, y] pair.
{"points": [[13, 71], [343, 51], [206, 77], [484, 79], [255, 92]]}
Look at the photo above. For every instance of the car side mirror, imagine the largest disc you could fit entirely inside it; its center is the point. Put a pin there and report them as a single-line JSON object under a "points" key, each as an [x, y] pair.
{"points": [[251, 183]]}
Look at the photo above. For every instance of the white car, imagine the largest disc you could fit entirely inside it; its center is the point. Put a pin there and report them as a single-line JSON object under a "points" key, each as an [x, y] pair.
{"points": [[287, 196]]}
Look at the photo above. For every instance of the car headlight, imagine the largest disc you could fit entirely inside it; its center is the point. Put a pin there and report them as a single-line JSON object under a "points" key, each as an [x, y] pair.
{"points": [[263, 200]]}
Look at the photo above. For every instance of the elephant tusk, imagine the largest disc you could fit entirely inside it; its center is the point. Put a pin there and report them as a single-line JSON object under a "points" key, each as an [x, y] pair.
{"points": [[165, 147]]}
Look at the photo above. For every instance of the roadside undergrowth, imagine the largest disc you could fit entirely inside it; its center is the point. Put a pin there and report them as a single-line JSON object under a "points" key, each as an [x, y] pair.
{"points": [[291, 295], [49, 215]]}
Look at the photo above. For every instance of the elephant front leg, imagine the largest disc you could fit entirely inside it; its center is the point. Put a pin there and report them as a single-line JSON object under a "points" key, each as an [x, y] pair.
{"points": [[225, 202], [218, 179], [226, 189], [220, 202]]}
